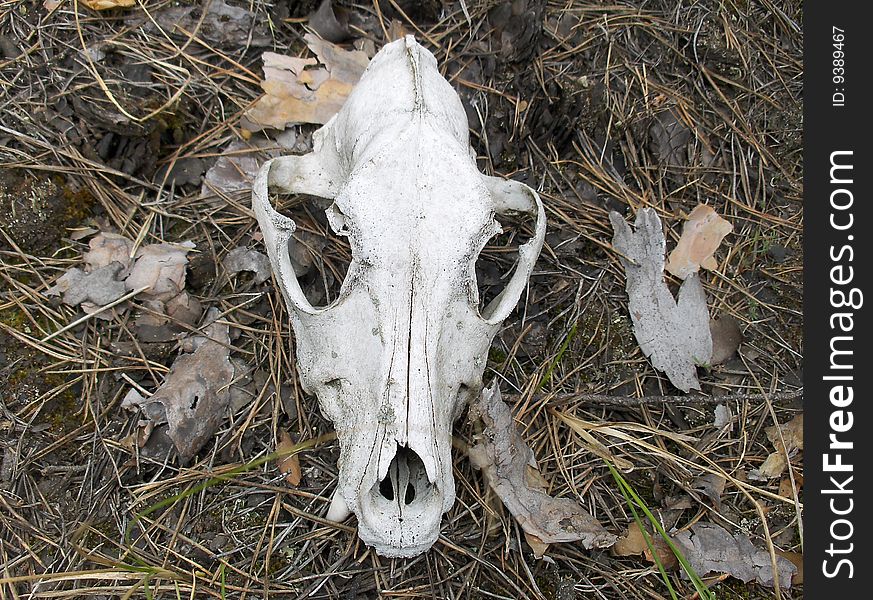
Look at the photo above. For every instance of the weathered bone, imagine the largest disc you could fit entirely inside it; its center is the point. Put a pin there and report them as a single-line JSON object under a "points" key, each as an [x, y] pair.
{"points": [[394, 359]]}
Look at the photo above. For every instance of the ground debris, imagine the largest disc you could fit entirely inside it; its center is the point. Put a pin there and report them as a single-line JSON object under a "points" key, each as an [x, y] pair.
{"points": [[195, 395], [710, 548], [246, 259], [330, 22], [674, 335], [701, 236], [300, 91], [776, 463], [511, 470], [161, 269], [107, 4], [106, 248], [98, 287], [633, 542], [217, 22]]}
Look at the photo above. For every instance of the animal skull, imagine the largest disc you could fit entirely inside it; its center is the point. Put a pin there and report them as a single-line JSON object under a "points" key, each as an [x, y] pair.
{"points": [[402, 349]]}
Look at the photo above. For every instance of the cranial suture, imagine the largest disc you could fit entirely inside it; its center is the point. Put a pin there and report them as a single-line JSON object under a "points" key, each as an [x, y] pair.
{"points": [[394, 359]]}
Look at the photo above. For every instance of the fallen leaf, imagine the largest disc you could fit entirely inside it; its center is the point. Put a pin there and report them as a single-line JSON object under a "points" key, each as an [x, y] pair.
{"points": [[511, 471], [299, 91], [222, 24], [106, 248], [99, 287], [796, 559], [246, 259], [673, 335], [726, 338], [709, 548], [107, 4], [776, 463], [703, 232], [289, 465], [236, 168], [396, 30], [161, 267], [538, 546], [669, 138], [633, 543], [786, 489], [330, 22], [723, 416], [194, 397], [712, 486]]}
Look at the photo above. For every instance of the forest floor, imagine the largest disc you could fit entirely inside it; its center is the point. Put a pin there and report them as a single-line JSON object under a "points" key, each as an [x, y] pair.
{"points": [[110, 121]]}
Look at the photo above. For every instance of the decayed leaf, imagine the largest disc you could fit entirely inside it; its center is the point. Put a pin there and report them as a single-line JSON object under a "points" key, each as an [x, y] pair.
{"points": [[710, 548], [633, 543], [674, 335], [289, 465], [161, 267], [194, 397], [107, 4], [99, 287], [236, 168], [726, 338], [669, 138], [331, 23], [776, 463], [107, 248], [712, 486], [701, 236], [216, 22], [246, 259], [298, 92], [510, 469]]}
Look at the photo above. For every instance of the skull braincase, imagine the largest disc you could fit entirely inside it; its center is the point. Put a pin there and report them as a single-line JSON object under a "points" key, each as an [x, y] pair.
{"points": [[395, 358]]}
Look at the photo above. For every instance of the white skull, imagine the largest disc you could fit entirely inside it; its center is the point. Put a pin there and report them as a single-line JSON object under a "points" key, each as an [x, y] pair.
{"points": [[402, 349]]}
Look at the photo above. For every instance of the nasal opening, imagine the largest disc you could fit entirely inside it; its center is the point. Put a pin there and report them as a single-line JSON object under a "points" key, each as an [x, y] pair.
{"points": [[406, 484]]}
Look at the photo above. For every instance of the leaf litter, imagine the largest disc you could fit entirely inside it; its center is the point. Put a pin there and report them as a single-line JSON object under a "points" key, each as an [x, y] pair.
{"points": [[306, 90], [701, 236], [194, 398], [774, 465], [510, 469], [673, 334], [710, 548]]}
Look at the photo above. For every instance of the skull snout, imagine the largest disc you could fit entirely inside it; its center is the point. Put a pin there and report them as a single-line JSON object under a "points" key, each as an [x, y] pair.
{"points": [[400, 513], [406, 485]]}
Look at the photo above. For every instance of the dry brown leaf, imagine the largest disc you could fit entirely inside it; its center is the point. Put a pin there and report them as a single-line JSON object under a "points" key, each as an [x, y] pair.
{"points": [[726, 338], [538, 546], [289, 465], [298, 91], [703, 232], [633, 543], [396, 30], [796, 559], [776, 463], [673, 334], [511, 470], [107, 4]]}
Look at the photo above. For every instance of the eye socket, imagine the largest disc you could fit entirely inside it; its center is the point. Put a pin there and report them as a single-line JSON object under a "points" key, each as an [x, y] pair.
{"points": [[319, 249], [498, 260]]}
